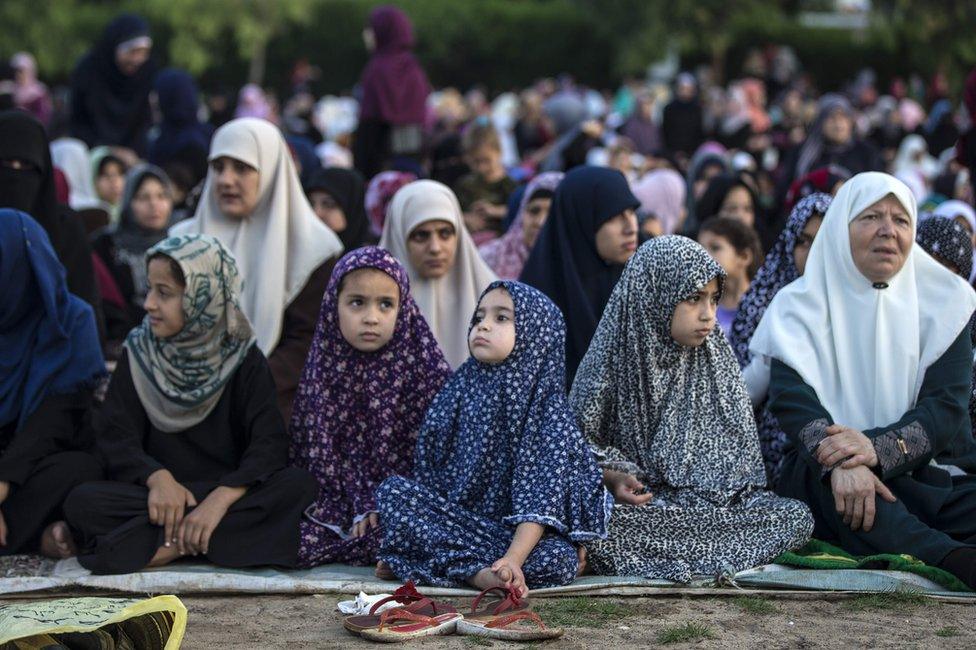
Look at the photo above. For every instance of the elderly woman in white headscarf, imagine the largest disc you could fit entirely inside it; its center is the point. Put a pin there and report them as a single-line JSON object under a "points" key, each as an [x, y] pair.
{"points": [[871, 359], [425, 232], [254, 204]]}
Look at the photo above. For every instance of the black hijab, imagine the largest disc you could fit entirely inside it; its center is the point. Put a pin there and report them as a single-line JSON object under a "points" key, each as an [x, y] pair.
{"points": [[108, 106], [348, 189], [32, 191], [565, 265], [29, 190]]}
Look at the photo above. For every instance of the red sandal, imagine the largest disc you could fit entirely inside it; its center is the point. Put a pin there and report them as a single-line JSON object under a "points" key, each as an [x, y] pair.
{"points": [[407, 595], [506, 600], [530, 628], [399, 624]]}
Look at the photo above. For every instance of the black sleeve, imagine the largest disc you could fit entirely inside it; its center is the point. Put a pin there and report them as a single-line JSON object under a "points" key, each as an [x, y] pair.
{"points": [[798, 410], [75, 255], [120, 429], [941, 413], [287, 360], [80, 120], [260, 423], [59, 423]]}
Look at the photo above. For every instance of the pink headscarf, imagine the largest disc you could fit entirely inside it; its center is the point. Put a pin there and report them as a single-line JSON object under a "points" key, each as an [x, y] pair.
{"points": [[662, 193], [252, 102], [380, 192], [506, 255]]}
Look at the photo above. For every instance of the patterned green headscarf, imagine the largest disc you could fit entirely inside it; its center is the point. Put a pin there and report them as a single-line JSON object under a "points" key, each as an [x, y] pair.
{"points": [[180, 378]]}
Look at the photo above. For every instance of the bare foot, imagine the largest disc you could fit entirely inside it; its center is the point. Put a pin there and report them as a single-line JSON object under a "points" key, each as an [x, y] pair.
{"points": [[584, 567], [384, 572], [487, 579], [57, 542], [164, 555]]}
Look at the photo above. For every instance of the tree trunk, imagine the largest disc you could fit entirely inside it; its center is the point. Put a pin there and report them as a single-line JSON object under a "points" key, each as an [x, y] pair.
{"points": [[259, 56]]}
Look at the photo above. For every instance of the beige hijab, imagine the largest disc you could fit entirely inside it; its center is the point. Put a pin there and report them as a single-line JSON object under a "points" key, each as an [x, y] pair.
{"points": [[281, 243], [448, 303]]}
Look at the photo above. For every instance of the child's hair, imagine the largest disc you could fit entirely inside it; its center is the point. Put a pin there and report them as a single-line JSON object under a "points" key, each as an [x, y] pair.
{"points": [[478, 136], [742, 237], [174, 267], [110, 159]]}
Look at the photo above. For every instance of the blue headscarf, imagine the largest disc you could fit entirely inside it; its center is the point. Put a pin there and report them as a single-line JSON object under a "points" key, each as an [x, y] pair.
{"points": [[181, 133], [565, 265], [48, 340], [777, 271], [501, 441]]}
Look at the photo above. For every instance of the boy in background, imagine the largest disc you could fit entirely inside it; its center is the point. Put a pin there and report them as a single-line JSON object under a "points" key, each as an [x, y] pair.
{"points": [[483, 193]]}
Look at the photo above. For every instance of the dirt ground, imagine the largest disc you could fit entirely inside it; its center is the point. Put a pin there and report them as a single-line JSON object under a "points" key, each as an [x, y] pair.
{"points": [[752, 623]]}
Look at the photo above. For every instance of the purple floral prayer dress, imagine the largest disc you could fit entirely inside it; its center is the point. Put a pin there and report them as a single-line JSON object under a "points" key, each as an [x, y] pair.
{"points": [[357, 414]]}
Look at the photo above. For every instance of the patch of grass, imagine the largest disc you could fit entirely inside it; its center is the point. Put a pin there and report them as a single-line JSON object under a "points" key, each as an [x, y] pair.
{"points": [[477, 641], [947, 632], [755, 604], [690, 631], [888, 600], [582, 612]]}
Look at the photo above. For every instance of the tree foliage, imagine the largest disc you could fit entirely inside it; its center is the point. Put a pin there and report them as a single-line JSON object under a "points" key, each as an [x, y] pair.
{"points": [[499, 43]]}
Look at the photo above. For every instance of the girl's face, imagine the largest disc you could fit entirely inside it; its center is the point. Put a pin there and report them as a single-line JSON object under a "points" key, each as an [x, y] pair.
{"points": [[152, 205], [369, 301], [492, 338], [235, 187], [110, 183], [803, 243], [964, 222], [327, 210], [164, 300], [738, 205], [694, 318], [616, 240], [723, 252], [432, 247], [533, 218]]}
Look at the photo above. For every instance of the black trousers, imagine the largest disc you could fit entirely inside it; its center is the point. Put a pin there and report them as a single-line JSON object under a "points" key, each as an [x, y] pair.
{"points": [[35, 504], [110, 521], [935, 513]]}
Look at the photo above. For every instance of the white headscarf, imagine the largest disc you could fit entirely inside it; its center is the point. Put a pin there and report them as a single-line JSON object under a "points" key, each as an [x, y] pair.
{"points": [[281, 243], [71, 156], [864, 350], [447, 302]]}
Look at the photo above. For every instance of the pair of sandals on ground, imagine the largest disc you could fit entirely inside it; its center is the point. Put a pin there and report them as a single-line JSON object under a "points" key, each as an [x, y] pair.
{"points": [[496, 613]]}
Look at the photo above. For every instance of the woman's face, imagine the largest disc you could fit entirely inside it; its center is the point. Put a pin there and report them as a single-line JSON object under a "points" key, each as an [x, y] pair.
{"points": [[881, 239], [432, 247], [707, 173], [110, 183], [616, 240], [328, 210], [738, 205], [129, 61], [838, 127], [803, 243], [235, 187], [534, 216], [152, 204]]}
